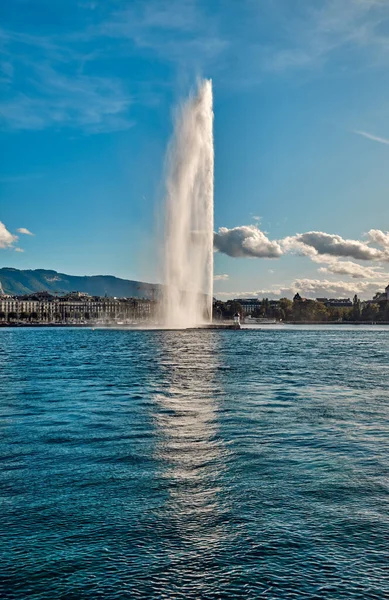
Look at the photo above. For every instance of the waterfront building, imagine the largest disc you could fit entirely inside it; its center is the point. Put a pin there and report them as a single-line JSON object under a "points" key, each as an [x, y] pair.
{"points": [[74, 308], [249, 305], [335, 302]]}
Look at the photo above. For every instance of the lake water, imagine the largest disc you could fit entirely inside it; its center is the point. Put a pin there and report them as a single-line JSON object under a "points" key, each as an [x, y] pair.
{"points": [[194, 464]]}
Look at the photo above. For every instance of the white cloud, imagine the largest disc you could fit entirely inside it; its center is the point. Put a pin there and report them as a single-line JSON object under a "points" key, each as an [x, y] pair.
{"points": [[57, 91], [178, 31], [325, 249], [319, 246], [291, 244], [246, 241], [60, 90], [370, 136], [221, 277], [308, 34], [266, 293], [19, 250], [352, 269], [24, 231], [381, 238], [95, 104], [319, 242], [6, 238], [312, 288]]}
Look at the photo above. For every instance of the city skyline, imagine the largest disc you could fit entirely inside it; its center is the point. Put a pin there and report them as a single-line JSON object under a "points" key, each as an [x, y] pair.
{"points": [[301, 140]]}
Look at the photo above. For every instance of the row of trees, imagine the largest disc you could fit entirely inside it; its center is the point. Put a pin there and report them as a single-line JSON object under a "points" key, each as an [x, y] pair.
{"points": [[304, 310], [378, 310]]}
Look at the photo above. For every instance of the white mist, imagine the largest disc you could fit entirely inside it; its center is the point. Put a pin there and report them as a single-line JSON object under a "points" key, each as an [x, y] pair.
{"points": [[188, 235]]}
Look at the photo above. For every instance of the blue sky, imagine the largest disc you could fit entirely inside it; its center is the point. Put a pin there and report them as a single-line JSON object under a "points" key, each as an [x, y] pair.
{"points": [[301, 130]]}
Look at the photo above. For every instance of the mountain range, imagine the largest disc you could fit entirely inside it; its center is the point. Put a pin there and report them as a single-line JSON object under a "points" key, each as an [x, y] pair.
{"points": [[18, 282]]}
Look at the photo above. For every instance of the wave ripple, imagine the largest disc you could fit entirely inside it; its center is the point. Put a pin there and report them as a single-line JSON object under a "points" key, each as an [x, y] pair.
{"points": [[197, 464]]}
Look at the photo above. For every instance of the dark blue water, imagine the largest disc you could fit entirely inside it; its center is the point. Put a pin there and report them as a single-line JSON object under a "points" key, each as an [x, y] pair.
{"points": [[198, 464]]}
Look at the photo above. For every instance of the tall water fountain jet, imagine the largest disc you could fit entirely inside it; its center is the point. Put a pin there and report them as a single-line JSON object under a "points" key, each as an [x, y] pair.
{"points": [[188, 235]]}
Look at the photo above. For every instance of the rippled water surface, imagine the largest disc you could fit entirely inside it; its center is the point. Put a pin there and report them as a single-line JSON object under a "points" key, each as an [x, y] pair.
{"points": [[197, 464]]}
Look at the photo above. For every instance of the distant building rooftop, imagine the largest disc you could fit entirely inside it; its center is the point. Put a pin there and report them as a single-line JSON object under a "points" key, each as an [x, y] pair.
{"points": [[335, 302]]}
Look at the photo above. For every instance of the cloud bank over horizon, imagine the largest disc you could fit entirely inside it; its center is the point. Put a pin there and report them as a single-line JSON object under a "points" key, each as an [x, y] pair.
{"points": [[325, 249], [251, 242], [310, 288]]}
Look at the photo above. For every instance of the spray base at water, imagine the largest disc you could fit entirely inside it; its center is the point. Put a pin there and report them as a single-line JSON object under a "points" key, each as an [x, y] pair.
{"points": [[188, 232]]}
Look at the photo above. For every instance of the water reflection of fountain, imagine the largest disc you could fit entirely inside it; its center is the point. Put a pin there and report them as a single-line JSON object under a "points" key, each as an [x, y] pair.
{"points": [[191, 453]]}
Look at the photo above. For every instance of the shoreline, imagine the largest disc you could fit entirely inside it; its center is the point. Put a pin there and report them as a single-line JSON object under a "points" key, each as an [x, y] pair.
{"points": [[29, 325], [213, 326], [142, 326], [335, 322]]}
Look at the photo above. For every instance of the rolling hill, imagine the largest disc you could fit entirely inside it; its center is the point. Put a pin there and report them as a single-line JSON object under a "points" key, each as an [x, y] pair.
{"points": [[18, 282]]}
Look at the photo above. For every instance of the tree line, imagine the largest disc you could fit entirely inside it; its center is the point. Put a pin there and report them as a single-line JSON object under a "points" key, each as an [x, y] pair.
{"points": [[305, 310]]}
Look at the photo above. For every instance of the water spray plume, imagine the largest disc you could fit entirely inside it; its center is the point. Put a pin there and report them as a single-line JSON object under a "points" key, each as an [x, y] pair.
{"points": [[188, 235]]}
